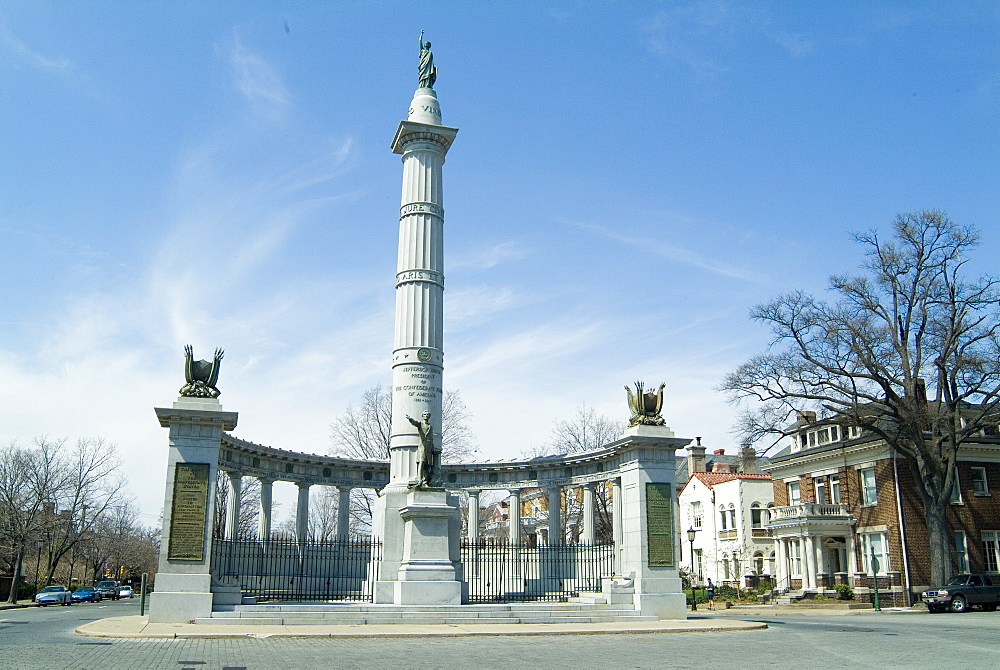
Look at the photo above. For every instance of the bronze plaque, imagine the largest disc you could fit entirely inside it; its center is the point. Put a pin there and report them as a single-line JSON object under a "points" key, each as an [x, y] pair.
{"points": [[189, 512], [659, 525]]}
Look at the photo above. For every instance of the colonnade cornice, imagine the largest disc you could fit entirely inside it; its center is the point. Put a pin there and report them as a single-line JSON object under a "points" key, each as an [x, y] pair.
{"points": [[558, 470]]}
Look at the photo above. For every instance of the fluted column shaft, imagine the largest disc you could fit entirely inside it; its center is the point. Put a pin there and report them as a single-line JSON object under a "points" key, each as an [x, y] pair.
{"points": [[264, 518], [344, 513], [233, 505], [302, 513]]}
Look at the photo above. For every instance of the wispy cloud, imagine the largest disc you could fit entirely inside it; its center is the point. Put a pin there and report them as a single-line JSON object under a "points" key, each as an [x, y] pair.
{"points": [[258, 80], [29, 56], [675, 253], [488, 257]]}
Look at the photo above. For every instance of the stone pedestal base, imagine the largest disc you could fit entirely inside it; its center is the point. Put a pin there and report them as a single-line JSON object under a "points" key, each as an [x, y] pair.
{"points": [[180, 598], [427, 573]]}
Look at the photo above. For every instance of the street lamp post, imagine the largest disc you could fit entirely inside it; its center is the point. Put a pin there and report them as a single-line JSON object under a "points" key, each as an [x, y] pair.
{"points": [[694, 599]]}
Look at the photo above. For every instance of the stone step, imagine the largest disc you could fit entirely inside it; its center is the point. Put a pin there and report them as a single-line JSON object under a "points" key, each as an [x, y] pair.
{"points": [[422, 620]]}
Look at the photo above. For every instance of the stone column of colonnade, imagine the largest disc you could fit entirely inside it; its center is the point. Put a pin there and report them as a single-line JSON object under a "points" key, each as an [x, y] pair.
{"points": [[472, 531], [343, 513], [588, 534], [555, 536], [302, 513], [514, 517], [233, 493], [264, 514]]}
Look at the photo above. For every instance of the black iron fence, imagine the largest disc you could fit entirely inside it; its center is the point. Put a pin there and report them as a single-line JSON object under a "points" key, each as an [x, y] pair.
{"points": [[298, 571], [498, 572]]}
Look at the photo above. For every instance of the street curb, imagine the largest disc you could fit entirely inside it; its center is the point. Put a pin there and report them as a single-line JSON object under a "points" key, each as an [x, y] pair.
{"points": [[105, 628]]}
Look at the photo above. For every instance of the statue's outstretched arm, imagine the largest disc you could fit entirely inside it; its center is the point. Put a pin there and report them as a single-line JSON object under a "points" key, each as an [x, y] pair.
{"points": [[410, 418]]}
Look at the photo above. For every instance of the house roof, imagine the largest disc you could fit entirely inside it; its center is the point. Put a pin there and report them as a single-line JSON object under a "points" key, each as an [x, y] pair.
{"points": [[713, 478]]}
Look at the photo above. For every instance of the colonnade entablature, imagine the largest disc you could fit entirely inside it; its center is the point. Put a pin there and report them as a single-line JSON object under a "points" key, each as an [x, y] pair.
{"points": [[248, 459]]}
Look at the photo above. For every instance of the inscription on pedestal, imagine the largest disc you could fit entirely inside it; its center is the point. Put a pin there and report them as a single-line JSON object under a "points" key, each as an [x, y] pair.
{"points": [[659, 525], [421, 383], [189, 512]]}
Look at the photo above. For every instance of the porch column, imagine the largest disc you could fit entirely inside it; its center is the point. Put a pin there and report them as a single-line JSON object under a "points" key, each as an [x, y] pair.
{"points": [[555, 516], [780, 564], [850, 558], [816, 546], [302, 513], [514, 517], [589, 533], [344, 513], [233, 505], [808, 563], [473, 521], [264, 518]]}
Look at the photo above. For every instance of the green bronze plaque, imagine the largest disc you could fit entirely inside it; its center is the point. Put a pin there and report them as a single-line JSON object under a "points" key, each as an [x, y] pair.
{"points": [[189, 512], [659, 525]]}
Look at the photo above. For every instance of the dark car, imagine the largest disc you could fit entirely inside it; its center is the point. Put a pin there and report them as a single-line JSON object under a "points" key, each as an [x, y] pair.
{"points": [[107, 588], [965, 591], [87, 594]]}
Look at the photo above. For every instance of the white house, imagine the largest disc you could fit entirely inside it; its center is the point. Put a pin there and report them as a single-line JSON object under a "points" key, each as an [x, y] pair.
{"points": [[727, 511]]}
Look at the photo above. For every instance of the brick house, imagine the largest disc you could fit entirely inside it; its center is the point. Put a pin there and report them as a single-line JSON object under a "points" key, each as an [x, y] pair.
{"points": [[841, 495]]}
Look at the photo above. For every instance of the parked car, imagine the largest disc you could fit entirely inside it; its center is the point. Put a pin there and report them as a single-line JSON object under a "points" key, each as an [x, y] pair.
{"points": [[88, 594], [108, 588], [125, 591], [54, 595], [964, 591]]}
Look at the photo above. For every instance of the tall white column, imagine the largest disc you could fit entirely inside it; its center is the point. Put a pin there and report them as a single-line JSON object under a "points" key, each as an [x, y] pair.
{"points": [[344, 513], [233, 505], [473, 521], [589, 532], [555, 515], [418, 349], [302, 513], [780, 564], [616, 520], [514, 517], [264, 517]]}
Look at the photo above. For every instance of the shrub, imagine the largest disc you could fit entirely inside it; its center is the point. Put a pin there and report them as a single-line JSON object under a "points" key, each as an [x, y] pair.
{"points": [[844, 592], [820, 596]]}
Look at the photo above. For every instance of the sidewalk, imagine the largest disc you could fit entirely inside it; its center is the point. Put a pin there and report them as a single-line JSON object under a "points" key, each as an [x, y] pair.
{"points": [[139, 627]]}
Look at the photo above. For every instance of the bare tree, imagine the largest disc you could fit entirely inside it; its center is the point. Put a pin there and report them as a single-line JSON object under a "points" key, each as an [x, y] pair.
{"points": [[585, 431], [910, 352], [92, 485], [29, 477], [249, 505], [363, 432]]}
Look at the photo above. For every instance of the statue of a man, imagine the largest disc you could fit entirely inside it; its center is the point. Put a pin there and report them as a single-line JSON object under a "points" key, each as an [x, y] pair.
{"points": [[427, 455], [428, 72]]}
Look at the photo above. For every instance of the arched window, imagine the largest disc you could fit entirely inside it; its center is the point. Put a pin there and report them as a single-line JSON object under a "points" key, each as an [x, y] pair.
{"points": [[722, 518], [732, 516], [756, 516], [725, 566], [758, 563]]}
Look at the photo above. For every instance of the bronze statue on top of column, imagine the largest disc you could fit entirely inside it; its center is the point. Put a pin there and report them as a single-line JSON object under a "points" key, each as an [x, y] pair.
{"points": [[428, 72]]}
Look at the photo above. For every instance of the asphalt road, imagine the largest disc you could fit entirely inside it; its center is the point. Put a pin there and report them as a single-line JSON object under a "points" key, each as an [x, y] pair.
{"points": [[43, 638]]}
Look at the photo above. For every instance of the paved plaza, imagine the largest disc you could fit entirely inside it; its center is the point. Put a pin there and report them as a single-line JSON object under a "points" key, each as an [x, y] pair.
{"points": [[44, 638]]}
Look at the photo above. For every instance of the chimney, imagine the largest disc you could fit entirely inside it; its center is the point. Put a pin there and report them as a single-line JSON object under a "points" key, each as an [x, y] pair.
{"points": [[721, 467], [696, 457], [805, 417], [719, 452], [747, 460]]}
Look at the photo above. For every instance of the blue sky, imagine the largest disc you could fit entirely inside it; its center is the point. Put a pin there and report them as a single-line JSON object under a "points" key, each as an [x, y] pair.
{"points": [[628, 180]]}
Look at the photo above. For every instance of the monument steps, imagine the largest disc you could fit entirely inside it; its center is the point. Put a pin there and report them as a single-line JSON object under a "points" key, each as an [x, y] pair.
{"points": [[361, 614]]}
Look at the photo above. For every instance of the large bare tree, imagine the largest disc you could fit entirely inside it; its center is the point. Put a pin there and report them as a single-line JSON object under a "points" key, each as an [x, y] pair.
{"points": [[586, 430], [363, 432], [909, 351]]}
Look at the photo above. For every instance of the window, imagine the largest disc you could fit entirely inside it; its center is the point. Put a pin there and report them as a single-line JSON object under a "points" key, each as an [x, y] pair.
{"points": [[853, 432], [820, 484], [698, 564], [835, 488], [991, 549], [725, 566], [696, 515], [758, 563], [875, 543], [722, 518], [956, 491], [961, 552], [756, 516], [793, 493], [795, 557], [821, 436], [980, 487], [868, 492], [732, 516]]}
